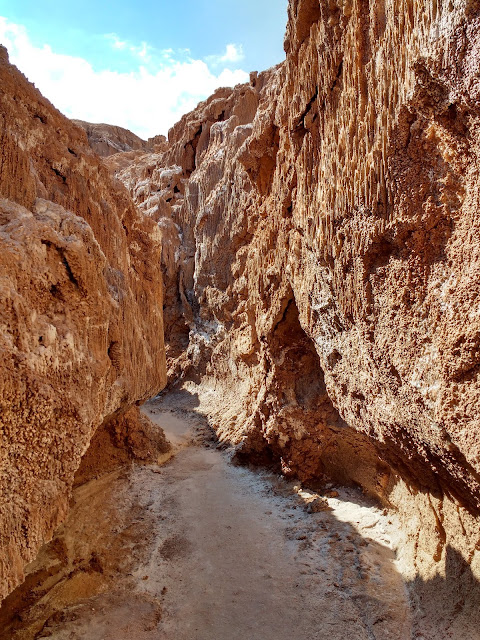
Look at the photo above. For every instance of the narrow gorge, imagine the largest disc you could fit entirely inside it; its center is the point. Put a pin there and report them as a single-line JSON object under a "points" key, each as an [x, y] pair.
{"points": [[296, 271]]}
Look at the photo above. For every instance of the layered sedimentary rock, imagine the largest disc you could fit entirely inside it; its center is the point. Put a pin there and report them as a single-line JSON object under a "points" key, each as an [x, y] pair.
{"points": [[322, 267], [81, 331], [107, 139]]}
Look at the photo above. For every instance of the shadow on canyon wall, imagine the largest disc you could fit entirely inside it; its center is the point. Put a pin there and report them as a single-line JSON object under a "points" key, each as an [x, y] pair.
{"points": [[447, 606], [103, 541]]}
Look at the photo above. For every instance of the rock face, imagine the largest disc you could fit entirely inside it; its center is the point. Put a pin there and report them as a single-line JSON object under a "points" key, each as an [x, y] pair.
{"points": [[108, 139], [321, 262], [322, 267], [81, 330]]}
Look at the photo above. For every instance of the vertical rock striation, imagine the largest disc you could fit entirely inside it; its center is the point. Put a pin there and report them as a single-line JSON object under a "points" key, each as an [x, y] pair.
{"points": [[322, 264], [81, 330]]}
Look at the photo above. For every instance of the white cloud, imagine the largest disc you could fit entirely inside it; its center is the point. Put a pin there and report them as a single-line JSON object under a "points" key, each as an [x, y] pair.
{"points": [[115, 41], [147, 100], [233, 53], [143, 52]]}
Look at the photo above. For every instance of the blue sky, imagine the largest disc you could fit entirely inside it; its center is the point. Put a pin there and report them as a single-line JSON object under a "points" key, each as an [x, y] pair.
{"points": [[140, 64]]}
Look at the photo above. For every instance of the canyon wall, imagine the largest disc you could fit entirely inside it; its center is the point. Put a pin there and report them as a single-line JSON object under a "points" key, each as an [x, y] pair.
{"points": [[81, 329], [322, 260], [317, 234]]}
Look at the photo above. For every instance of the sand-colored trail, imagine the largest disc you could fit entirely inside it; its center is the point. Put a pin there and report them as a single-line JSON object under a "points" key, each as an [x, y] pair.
{"points": [[200, 549]]}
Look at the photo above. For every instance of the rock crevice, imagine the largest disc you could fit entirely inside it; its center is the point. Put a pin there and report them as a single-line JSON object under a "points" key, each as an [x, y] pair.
{"points": [[341, 189], [317, 234]]}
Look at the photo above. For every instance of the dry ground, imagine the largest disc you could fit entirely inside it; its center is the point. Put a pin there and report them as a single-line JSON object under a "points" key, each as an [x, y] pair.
{"points": [[201, 549]]}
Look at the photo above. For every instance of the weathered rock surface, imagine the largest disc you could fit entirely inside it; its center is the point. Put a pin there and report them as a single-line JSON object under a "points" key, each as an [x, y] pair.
{"points": [[208, 545], [107, 139], [81, 331], [322, 267], [321, 263]]}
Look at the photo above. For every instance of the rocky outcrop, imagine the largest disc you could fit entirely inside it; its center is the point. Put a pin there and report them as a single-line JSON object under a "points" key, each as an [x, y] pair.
{"points": [[81, 331], [322, 265], [165, 187], [107, 139], [319, 248]]}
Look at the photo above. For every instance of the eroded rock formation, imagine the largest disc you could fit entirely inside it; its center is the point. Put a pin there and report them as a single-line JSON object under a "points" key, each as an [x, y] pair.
{"points": [[81, 331], [107, 139], [322, 263], [317, 233]]}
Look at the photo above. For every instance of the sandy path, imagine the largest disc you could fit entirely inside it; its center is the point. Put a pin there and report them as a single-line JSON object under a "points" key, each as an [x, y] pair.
{"points": [[199, 549], [242, 558]]}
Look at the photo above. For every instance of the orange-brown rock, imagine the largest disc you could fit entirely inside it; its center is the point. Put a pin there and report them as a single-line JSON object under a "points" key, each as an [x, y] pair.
{"points": [[107, 139], [323, 268], [81, 331], [128, 437]]}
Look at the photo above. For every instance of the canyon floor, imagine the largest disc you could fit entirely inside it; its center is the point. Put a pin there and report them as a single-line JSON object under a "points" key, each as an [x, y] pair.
{"points": [[198, 548]]}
